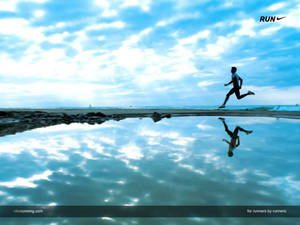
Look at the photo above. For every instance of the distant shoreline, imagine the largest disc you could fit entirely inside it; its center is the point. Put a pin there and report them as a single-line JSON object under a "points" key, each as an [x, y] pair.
{"points": [[20, 120], [132, 113]]}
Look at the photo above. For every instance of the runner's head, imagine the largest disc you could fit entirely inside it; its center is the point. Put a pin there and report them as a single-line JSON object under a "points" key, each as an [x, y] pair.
{"points": [[233, 69], [230, 153]]}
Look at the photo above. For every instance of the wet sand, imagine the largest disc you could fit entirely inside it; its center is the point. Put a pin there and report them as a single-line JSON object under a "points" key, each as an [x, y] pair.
{"points": [[20, 120], [173, 112]]}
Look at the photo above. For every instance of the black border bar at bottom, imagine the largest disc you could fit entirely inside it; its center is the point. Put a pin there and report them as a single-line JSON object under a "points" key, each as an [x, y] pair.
{"points": [[149, 211]]}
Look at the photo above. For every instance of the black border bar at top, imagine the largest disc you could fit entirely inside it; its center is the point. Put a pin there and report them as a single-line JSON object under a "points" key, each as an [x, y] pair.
{"points": [[149, 211]]}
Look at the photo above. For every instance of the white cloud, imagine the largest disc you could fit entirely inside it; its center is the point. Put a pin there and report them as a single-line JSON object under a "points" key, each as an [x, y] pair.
{"points": [[132, 152], [102, 3], [206, 83], [129, 58], [60, 24], [95, 146], [172, 135], [292, 17], [36, 1], [269, 30], [143, 4], [218, 48], [27, 182], [250, 121], [112, 8], [211, 157], [86, 66], [175, 137], [101, 38], [228, 3], [11, 148], [81, 93], [39, 13], [129, 55], [162, 23], [223, 43], [240, 175], [134, 39], [183, 4], [101, 26], [54, 63], [247, 28], [150, 133], [109, 8], [7, 6], [154, 66], [77, 43], [107, 140], [108, 218], [183, 141], [178, 62], [109, 13], [65, 128], [276, 6], [87, 155], [191, 168], [177, 18], [288, 183], [21, 28], [58, 37], [204, 127], [11, 5], [275, 95], [40, 64], [194, 38]]}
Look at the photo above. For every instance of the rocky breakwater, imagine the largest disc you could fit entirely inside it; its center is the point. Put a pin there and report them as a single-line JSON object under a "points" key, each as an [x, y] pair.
{"points": [[12, 122]]}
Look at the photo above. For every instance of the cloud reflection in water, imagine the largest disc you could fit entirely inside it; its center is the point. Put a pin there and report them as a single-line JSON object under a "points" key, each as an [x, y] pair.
{"points": [[138, 162]]}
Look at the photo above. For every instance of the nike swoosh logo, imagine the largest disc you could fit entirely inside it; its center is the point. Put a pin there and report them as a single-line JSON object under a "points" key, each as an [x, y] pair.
{"points": [[279, 18]]}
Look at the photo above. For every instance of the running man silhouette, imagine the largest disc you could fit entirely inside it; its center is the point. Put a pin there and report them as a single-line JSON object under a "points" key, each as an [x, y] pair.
{"points": [[234, 137], [237, 85]]}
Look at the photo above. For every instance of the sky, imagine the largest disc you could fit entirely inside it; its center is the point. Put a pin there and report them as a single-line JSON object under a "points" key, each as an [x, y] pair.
{"points": [[81, 53]]}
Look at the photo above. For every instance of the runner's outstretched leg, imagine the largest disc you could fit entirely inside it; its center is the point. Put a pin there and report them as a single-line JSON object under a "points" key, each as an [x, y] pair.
{"points": [[237, 93], [227, 97]]}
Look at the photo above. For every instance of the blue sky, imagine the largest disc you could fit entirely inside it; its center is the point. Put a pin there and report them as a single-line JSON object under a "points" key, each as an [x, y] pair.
{"points": [[58, 53]]}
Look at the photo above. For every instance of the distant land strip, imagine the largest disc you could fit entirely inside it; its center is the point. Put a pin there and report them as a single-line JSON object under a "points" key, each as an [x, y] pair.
{"points": [[20, 120], [132, 113]]}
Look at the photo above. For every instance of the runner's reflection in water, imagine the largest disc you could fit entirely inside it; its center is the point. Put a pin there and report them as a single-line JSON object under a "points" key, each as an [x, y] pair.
{"points": [[235, 139]]}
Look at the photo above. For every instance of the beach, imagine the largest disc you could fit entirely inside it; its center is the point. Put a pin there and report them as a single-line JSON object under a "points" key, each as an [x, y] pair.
{"points": [[20, 120], [174, 112]]}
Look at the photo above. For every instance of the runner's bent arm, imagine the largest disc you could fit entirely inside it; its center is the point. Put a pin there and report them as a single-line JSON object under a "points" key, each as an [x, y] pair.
{"points": [[241, 82], [228, 83], [238, 139], [226, 141]]}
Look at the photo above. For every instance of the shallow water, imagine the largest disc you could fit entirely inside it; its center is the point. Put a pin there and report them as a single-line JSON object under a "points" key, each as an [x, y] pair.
{"points": [[178, 161]]}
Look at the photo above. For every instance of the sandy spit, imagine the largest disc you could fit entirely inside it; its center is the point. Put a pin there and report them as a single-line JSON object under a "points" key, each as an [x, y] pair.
{"points": [[131, 113]]}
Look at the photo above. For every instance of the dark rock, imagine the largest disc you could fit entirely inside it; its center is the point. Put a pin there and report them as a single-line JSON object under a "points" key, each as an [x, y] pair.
{"points": [[156, 117], [5, 114], [91, 114], [98, 114], [118, 117]]}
